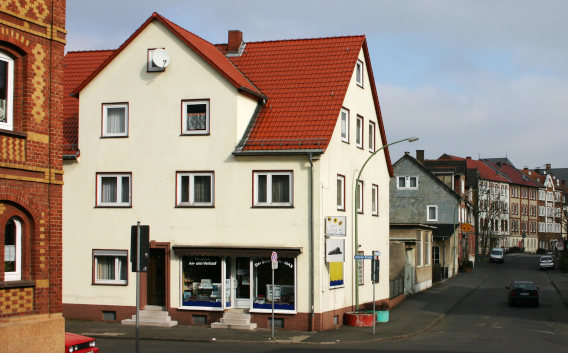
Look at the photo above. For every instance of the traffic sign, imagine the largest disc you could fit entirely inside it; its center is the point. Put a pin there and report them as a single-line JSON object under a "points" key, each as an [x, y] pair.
{"points": [[274, 258], [363, 257], [466, 227], [560, 246]]}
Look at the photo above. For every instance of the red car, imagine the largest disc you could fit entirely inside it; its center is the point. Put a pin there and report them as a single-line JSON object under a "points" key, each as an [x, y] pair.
{"points": [[79, 344]]}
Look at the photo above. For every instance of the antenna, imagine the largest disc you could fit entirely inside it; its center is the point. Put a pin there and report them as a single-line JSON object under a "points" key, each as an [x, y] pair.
{"points": [[161, 58]]}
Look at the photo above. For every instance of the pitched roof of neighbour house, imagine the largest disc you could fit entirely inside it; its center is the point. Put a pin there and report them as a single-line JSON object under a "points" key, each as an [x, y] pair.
{"points": [[447, 156], [304, 83], [500, 160], [78, 66], [202, 47], [515, 176], [486, 172]]}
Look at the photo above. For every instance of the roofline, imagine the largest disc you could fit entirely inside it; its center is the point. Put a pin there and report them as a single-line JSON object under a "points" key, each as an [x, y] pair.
{"points": [[160, 18], [277, 152], [377, 106]]}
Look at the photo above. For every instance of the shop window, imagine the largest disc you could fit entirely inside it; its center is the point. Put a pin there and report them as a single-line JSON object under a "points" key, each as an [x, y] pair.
{"points": [[273, 188], [6, 92], [110, 266], [202, 285], [195, 117], [284, 293], [115, 120], [195, 189], [13, 250], [336, 275]]}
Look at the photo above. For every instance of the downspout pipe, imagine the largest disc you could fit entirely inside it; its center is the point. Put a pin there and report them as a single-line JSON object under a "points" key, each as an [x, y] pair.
{"points": [[311, 236]]}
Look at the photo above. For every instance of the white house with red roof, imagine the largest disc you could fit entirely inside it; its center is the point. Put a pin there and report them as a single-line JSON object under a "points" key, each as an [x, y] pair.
{"points": [[228, 153]]}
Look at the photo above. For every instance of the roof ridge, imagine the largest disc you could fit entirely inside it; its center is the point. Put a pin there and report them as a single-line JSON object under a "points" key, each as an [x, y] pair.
{"points": [[298, 39]]}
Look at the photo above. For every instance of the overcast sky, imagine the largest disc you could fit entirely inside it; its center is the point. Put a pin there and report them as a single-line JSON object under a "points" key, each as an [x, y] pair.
{"points": [[470, 78]]}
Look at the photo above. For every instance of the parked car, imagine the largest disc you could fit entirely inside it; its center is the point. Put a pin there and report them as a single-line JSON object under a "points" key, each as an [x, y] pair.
{"points": [[497, 255], [522, 292], [79, 344], [546, 262], [549, 252]]}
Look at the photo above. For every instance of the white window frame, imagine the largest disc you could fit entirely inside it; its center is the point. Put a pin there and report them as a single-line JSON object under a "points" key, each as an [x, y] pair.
{"points": [[150, 66], [269, 202], [359, 68], [371, 136], [406, 182], [360, 269], [9, 124], [184, 129], [428, 213], [360, 205], [341, 179], [111, 253], [15, 275], [105, 123], [375, 199], [427, 248], [344, 121], [419, 248], [191, 185], [359, 132], [118, 190]]}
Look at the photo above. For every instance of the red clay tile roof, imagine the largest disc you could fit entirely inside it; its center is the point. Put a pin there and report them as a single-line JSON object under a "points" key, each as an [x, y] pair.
{"points": [[202, 47], [78, 66], [516, 176], [486, 172], [306, 81]]}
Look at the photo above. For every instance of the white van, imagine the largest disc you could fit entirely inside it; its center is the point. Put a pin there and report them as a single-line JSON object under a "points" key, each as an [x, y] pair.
{"points": [[497, 255]]}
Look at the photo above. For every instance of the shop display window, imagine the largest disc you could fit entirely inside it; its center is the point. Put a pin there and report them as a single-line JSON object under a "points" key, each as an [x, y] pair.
{"points": [[283, 292], [202, 285]]}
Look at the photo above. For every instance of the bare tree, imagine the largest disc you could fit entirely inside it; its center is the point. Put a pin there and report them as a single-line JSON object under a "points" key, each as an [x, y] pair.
{"points": [[493, 219]]}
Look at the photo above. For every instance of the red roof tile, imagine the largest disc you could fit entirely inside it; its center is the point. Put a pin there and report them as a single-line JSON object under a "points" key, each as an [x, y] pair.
{"points": [[486, 172], [515, 175], [78, 66]]}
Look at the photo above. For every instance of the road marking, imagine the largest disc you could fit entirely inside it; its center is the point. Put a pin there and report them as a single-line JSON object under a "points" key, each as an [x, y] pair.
{"points": [[550, 333]]}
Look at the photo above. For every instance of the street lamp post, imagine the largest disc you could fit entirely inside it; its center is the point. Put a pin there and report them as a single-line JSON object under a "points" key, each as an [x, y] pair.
{"points": [[355, 278]]}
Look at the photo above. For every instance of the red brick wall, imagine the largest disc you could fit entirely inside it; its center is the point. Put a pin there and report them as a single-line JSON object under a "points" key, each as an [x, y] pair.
{"points": [[30, 155]]}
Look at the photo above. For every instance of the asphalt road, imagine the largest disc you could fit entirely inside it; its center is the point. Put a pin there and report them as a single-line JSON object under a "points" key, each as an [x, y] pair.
{"points": [[481, 322]]}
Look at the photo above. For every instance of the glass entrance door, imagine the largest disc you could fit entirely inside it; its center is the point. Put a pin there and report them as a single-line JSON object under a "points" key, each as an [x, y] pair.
{"points": [[242, 290]]}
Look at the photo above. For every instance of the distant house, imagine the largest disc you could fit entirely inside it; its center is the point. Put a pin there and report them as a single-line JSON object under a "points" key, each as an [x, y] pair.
{"points": [[230, 152], [425, 214]]}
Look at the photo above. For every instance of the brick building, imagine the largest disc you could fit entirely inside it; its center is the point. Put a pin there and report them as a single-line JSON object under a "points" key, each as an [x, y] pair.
{"points": [[32, 40]]}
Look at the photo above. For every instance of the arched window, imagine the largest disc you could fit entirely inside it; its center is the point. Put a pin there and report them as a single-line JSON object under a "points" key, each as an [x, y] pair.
{"points": [[6, 91], [13, 250]]}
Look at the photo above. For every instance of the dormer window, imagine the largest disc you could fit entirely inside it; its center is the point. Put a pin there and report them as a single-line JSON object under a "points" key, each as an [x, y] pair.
{"points": [[6, 92], [359, 73]]}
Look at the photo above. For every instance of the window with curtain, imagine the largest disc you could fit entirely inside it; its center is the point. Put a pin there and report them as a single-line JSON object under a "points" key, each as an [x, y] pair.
{"points": [[345, 125], [13, 250], [341, 192], [195, 117], [273, 188], [6, 91], [114, 189], [195, 188], [110, 266], [375, 200], [359, 132], [115, 119]]}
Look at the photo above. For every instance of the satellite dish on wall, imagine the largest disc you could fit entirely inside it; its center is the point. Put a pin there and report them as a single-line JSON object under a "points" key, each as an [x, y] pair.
{"points": [[161, 58]]}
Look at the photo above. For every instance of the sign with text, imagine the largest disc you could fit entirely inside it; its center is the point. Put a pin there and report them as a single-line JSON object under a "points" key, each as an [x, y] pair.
{"points": [[335, 250], [335, 226]]}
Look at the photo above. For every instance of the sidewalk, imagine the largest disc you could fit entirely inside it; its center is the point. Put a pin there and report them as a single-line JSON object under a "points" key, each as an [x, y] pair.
{"points": [[413, 316]]}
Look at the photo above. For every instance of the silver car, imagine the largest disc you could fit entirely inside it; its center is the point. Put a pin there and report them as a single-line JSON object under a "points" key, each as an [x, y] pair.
{"points": [[546, 262], [497, 255]]}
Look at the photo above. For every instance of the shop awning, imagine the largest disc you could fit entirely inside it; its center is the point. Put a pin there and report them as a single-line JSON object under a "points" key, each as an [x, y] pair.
{"points": [[235, 251]]}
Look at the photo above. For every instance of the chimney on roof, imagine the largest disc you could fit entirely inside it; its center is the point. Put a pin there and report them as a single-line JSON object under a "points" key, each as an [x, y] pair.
{"points": [[420, 156], [469, 157], [235, 40], [407, 153], [548, 167], [525, 168], [537, 170]]}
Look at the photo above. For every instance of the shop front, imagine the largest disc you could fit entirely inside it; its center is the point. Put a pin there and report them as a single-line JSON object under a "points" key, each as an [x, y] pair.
{"points": [[215, 279]]}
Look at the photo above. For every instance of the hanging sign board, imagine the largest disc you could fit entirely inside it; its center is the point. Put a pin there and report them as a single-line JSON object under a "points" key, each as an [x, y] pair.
{"points": [[335, 250], [335, 226]]}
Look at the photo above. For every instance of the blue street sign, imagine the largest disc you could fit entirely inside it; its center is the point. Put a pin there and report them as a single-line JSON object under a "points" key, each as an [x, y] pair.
{"points": [[363, 257]]}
